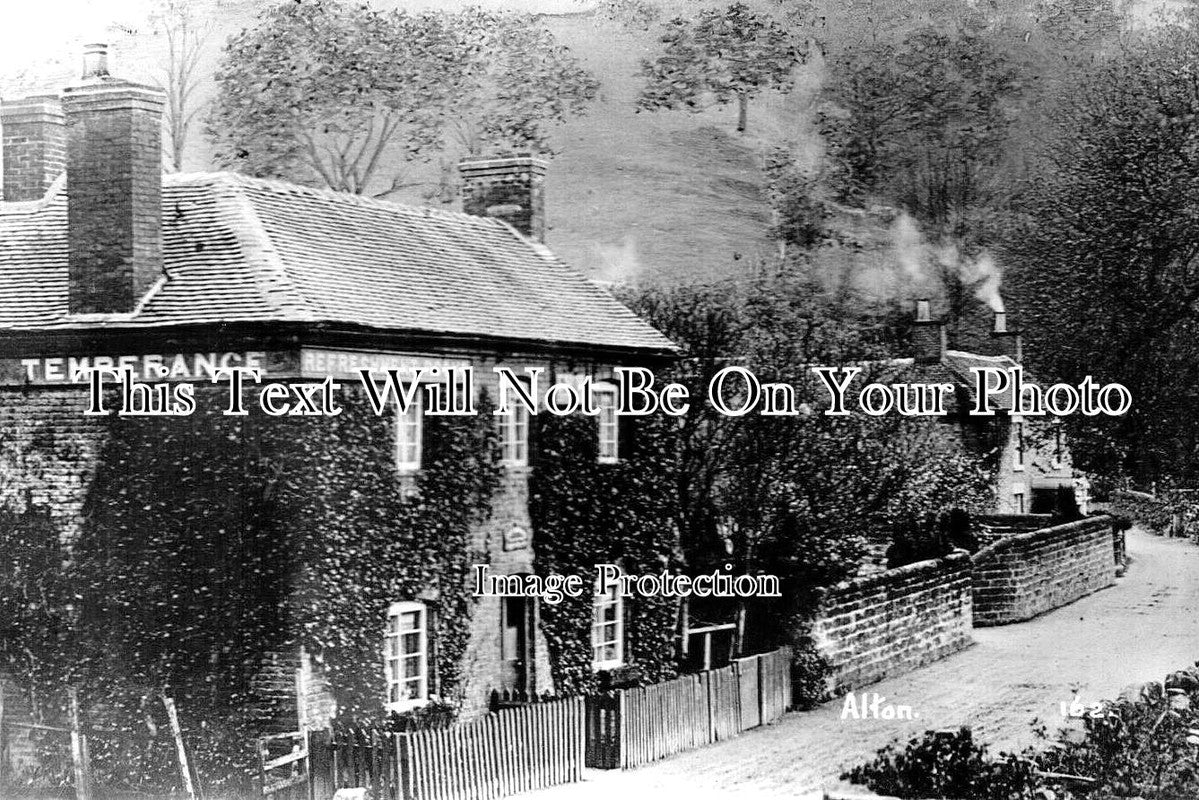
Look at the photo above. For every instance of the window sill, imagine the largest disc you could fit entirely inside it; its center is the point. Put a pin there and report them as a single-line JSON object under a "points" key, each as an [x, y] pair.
{"points": [[405, 706], [601, 666]]}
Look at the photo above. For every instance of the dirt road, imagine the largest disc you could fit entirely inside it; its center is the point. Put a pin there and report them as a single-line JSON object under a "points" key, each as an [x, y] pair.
{"points": [[1012, 680]]}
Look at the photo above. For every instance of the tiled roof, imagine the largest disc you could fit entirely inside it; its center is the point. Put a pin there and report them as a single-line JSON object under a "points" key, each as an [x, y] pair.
{"points": [[954, 367], [238, 249]]}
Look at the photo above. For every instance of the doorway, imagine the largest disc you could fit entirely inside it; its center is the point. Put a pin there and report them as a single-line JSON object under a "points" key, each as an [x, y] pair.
{"points": [[516, 645]]}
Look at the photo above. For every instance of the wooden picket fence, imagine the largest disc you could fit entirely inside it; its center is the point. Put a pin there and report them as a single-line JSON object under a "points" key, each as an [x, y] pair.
{"points": [[520, 749], [630, 727], [515, 750]]}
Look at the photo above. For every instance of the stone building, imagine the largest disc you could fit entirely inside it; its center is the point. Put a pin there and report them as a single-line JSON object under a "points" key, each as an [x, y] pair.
{"points": [[106, 263], [1030, 454]]}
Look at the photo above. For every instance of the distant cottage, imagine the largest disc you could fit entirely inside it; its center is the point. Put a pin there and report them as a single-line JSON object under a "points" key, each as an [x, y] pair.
{"points": [[1030, 455]]}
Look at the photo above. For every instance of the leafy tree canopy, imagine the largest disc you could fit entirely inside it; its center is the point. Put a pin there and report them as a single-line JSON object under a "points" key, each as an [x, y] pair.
{"points": [[1108, 251], [338, 94], [720, 56]]}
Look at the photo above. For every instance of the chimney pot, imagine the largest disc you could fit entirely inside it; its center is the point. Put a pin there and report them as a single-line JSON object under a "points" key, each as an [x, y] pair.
{"points": [[95, 61], [510, 188], [928, 335], [1007, 342], [923, 312]]}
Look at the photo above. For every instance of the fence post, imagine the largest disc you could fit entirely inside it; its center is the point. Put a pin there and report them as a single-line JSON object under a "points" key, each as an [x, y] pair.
{"points": [[622, 728], [404, 765], [320, 764], [762, 689], [3, 738], [180, 750], [83, 778]]}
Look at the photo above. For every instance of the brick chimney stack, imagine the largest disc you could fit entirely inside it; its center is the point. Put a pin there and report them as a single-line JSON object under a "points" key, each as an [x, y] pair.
{"points": [[510, 188], [1007, 342], [33, 146], [114, 188], [928, 335]]}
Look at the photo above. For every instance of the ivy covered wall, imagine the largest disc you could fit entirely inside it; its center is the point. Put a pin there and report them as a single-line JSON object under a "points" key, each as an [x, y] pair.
{"points": [[586, 513], [210, 543]]}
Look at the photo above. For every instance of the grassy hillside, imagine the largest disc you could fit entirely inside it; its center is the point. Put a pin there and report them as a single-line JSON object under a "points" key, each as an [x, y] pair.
{"points": [[668, 196]]}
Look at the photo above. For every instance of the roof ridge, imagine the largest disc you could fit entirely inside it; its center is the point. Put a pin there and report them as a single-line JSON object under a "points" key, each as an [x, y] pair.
{"points": [[983, 356], [278, 184], [261, 256]]}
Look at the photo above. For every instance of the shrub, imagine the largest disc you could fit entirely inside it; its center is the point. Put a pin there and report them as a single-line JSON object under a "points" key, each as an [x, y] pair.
{"points": [[947, 764], [1145, 509], [809, 675]]}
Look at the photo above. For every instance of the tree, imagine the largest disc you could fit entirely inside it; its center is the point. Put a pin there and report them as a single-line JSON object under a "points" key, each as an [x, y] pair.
{"points": [[720, 56], [337, 94], [186, 34], [921, 122], [519, 81], [795, 496], [1107, 253]]}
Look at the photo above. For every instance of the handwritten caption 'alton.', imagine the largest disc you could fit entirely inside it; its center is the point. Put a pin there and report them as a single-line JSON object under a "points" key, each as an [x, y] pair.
{"points": [[733, 391]]}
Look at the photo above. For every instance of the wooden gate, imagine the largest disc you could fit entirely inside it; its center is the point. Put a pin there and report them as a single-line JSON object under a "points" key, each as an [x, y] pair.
{"points": [[748, 677], [284, 768]]}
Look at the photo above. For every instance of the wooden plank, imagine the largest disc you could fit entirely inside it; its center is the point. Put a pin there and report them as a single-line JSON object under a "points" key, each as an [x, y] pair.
{"points": [[281, 761], [83, 787], [403, 759], [3, 740]]}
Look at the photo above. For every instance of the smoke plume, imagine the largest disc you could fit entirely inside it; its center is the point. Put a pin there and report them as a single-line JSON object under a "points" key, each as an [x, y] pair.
{"points": [[924, 267]]}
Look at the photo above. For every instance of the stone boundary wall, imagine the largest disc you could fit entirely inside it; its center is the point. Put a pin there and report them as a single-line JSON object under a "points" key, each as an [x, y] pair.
{"points": [[892, 622], [993, 527], [1022, 576]]}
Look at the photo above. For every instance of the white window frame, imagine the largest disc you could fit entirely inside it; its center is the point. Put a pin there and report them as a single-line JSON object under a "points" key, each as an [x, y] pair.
{"points": [[394, 656], [1059, 445], [409, 434], [601, 601], [609, 423], [1020, 497], [514, 436]]}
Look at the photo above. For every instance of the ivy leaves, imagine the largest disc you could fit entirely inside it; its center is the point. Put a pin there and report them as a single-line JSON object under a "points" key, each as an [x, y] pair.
{"points": [[215, 546], [585, 513]]}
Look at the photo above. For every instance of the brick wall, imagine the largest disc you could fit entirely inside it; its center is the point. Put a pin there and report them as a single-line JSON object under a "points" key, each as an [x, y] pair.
{"points": [[33, 146], [114, 182], [1024, 575], [18, 747], [993, 527], [48, 451], [511, 189], [895, 621]]}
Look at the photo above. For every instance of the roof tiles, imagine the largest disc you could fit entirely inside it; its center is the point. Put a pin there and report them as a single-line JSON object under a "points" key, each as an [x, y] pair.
{"points": [[238, 249]]}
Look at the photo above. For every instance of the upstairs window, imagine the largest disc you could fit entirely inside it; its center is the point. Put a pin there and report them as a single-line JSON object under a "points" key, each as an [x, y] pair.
{"points": [[609, 423], [408, 435], [607, 628], [514, 436], [405, 655]]}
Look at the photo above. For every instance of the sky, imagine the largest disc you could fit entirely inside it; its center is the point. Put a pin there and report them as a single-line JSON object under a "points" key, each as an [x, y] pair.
{"points": [[34, 31], [37, 32]]}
